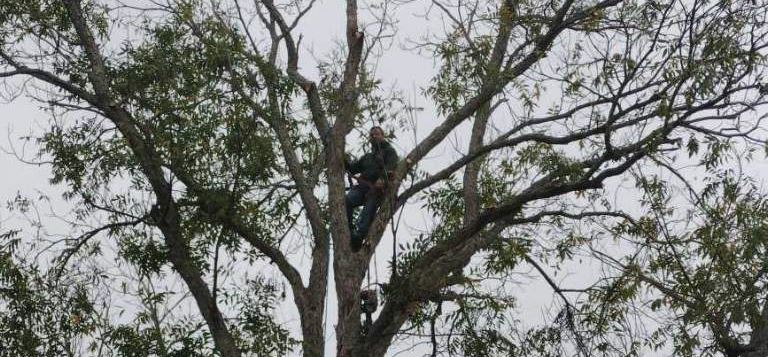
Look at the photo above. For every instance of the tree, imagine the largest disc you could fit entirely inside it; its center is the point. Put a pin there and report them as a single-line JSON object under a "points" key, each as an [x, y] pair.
{"points": [[198, 136], [704, 265]]}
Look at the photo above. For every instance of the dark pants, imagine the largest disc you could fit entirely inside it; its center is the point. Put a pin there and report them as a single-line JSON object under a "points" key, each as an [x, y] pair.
{"points": [[358, 196]]}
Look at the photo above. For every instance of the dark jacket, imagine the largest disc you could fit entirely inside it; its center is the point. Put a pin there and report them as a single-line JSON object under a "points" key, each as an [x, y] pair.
{"points": [[374, 165]]}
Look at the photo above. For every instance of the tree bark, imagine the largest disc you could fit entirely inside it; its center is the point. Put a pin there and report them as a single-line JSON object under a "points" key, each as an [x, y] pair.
{"points": [[758, 342], [472, 171], [349, 268]]}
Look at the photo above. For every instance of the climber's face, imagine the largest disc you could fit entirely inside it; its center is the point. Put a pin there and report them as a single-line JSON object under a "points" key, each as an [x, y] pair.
{"points": [[376, 136]]}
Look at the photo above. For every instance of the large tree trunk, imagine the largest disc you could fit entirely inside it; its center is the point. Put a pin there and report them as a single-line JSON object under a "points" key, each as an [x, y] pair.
{"points": [[348, 328], [313, 342], [759, 338]]}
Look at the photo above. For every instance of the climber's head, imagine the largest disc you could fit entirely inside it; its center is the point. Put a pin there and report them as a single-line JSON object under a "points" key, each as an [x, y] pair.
{"points": [[376, 135]]}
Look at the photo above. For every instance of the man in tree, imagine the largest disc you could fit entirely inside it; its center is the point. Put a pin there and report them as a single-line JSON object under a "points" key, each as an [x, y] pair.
{"points": [[373, 169]]}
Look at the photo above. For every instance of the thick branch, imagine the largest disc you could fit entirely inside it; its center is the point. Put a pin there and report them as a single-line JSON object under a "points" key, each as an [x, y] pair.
{"points": [[436, 263], [167, 218]]}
